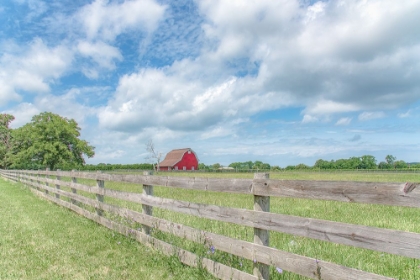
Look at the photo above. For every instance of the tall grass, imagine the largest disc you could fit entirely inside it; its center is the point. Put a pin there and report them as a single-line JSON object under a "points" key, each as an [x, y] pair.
{"points": [[392, 217], [39, 240]]}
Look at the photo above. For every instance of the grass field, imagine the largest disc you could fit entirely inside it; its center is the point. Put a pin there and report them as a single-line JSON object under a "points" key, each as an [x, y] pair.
{"points": [[399, 218], [39, 240]]}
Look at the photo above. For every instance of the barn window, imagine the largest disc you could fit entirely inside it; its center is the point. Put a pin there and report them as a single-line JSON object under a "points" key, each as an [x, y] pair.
{"points": [[184, 168], [189, 152]]}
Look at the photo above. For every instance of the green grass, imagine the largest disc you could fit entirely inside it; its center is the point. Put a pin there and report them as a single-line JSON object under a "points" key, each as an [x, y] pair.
{"points": [[399, 218], [40, 240], [335, 175]]}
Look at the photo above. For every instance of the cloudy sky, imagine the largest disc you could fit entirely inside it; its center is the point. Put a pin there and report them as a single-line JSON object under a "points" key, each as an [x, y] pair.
{"points": [[284, 82]]}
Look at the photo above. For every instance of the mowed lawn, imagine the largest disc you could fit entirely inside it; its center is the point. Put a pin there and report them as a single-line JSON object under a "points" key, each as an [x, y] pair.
{"points": [[40, 240]]}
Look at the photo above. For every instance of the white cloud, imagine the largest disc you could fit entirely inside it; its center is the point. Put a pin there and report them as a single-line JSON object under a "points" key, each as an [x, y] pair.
{"points": [[65, 105], [32, 69], [103, 54], [343, 121], [324, 57], [23, 114], [365, 116], [106, 21], [164, 99], [404, 115], [7, 92], [287, 65], [309, 119], [315, 53], [326, 107]]}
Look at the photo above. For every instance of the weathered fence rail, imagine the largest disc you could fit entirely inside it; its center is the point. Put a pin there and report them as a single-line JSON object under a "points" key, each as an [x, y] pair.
{"points": [[49, 184]]}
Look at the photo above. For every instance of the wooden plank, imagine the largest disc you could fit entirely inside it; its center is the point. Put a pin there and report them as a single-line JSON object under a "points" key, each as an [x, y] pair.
{"points": [[382, 240], [361, 192], [406, 194], [309, 267], [205, 184], [251, 251], [219, 270], [90, 189]]}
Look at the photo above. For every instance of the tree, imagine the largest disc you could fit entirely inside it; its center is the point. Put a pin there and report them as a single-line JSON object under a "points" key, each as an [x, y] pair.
{"points": [[384, 165], [5, 139], [48, 141], [390, 159], [202, 166], [154, 155], [322, 164], [216, 166], [400, 164], [368, 162], [301, 166]]}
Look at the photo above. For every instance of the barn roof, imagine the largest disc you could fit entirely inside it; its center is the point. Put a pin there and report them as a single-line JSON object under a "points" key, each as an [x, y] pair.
{"points": [[174, 156]]}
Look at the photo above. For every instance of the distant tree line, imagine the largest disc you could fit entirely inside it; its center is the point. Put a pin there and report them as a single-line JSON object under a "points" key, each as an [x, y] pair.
{"points": [[237, 166], [108, 166], [363, 162]]}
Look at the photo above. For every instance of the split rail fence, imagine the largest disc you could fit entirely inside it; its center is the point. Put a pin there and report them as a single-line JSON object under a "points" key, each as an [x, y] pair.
{"points": [[48, 184]]}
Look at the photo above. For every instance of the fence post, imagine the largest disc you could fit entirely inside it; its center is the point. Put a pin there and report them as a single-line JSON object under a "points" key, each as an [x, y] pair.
{"points": [[46, 177], [147, 210], [38, 182], [57, 186], [100, 197], [73, 190], [261, 236], [31, 181]]}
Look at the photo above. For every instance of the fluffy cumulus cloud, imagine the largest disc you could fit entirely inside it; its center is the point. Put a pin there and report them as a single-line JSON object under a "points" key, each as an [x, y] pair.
{"points": [[32, 69], [154, 98], [106, 20], [278, 54], [204, 71], [66, 105]]}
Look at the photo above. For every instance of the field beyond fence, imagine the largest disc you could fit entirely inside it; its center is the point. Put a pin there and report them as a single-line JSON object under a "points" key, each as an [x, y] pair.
{"points": [[247, 228]]}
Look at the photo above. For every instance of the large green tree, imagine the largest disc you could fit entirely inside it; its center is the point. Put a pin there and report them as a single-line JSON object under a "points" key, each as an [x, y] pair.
{"points": [[50, 140], [5, 139]]}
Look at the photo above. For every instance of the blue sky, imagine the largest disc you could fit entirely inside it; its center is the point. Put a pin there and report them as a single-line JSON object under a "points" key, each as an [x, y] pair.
{"points": [[284, 82]]}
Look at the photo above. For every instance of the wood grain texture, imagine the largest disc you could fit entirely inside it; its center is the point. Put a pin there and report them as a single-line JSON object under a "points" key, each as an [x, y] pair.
{"points": [[361, 192], [147, 209], [382, 240], [219, 270], [309, 267], [261, 236]]}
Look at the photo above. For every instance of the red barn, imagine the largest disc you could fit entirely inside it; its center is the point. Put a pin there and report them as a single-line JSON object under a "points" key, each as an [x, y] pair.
{"points": [[180, 159]]}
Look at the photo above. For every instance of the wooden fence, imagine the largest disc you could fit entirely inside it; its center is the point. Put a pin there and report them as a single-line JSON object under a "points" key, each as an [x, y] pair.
{"points": [[49, 184]]}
